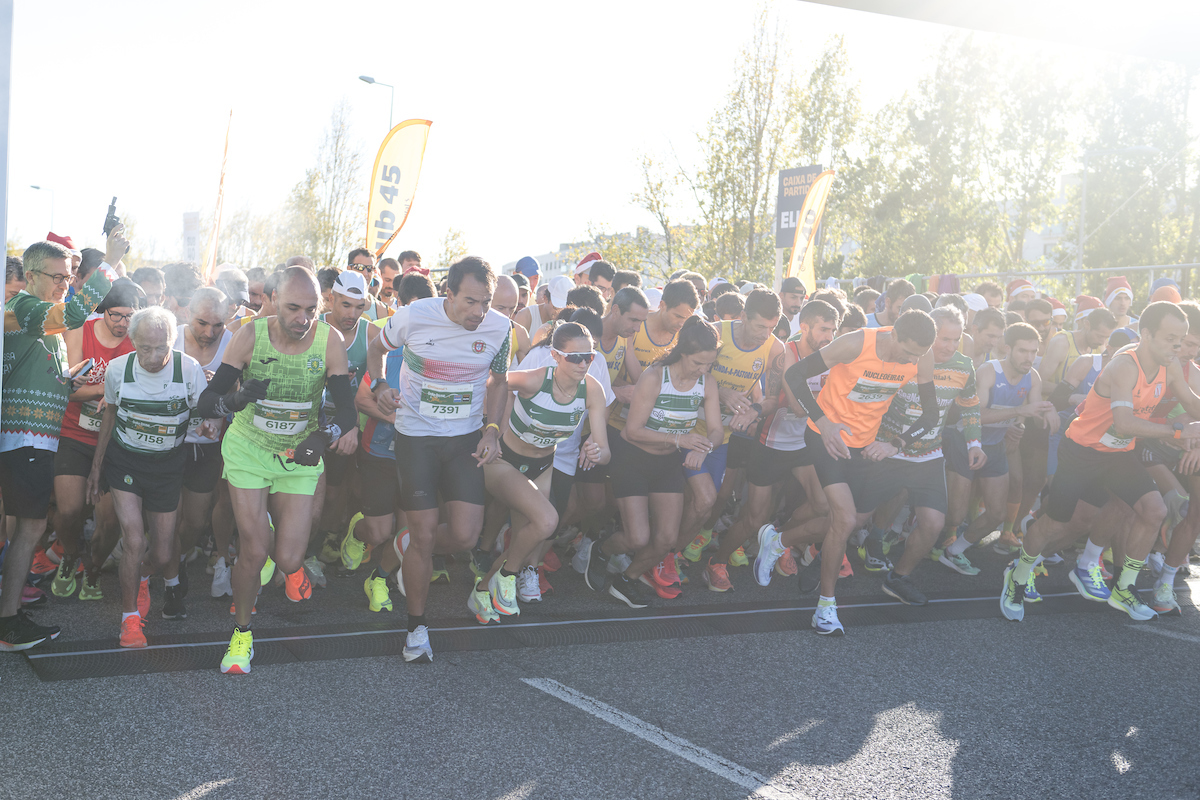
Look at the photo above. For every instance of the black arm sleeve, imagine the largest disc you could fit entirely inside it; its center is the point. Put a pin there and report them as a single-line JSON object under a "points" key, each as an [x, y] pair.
{"points": [[1061, 396], [797, 377], [929, 414], [346, 416], [218, 399]]}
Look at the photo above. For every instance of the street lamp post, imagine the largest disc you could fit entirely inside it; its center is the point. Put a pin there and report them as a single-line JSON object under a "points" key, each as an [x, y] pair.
{"points": [[1083, 201], [51, 191], [391, 102]]}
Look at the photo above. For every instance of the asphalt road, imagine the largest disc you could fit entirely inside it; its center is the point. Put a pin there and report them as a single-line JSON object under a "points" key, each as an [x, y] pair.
{"points": [[1074, 702]]}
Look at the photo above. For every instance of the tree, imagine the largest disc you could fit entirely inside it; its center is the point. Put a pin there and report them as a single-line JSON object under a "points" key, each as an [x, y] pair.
{"points": [[454, 247]]}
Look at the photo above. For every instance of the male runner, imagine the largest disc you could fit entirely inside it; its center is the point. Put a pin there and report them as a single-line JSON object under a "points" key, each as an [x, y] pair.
{"points": [[361, 261], [866, 369], [274, 446], [1099, 472], [456, 354], [897, 292]]}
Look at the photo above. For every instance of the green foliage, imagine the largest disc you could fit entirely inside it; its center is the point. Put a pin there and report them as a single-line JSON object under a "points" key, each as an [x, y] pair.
{"points": [[454, 247]]}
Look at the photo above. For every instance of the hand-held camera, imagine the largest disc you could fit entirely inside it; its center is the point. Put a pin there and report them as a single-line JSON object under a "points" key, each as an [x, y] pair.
{"points": [[112, 220]]}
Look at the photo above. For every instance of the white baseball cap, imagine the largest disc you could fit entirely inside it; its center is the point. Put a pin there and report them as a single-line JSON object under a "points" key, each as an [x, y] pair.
{"points": [[559, 286], [654, 296], [975, 302], [351, 284]]}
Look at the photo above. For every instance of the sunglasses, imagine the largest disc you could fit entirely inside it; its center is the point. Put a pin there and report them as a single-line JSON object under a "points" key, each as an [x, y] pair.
{"points": [[361, 268], [575, 358]]}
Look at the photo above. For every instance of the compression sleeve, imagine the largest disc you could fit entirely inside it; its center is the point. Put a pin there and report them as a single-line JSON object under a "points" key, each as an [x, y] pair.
{"points": [[928, 420], [217, 400], [346, 416], [797, 377], [1061, 396]]}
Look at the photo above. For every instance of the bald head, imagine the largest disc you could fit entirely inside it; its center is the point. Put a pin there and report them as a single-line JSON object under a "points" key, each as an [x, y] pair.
{"points": [[504, 298], [296, 301], [300, 261]]}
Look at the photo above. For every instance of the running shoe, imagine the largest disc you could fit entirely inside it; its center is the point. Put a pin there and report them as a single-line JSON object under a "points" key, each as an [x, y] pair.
{"points": [[330, 549], [238, 655], [222, 584], [64, 583], [619, 563], [212, 563], [872, 555], [543, 582], [268, 571], [628, 592], [33, 597], [846, 571], [769, 552], [825, 621], [502, 539], [89, 588], [297, 586], [667, 571], [1165, 603], [503, 589], [786, 565], [1032, 595], [481, 563], [143, 598], [1007, 544], [233, 609], [716, 577], [1090, 583], [352, 550], [529, 589], [665, 592], [1012, 597], [692, 551], [416, 646], [1130, 602], [1155, 563], [316, 572], [811, 552], [42, 564], [595, 566], [378, 598], [480, 604], [810, 577], [738, 558], [959, 563], [551, 561], [579, 560], [903, 589], [173, 607], [681, 569], [439, 573], [19, 632], [936, 553], [132, 634]]}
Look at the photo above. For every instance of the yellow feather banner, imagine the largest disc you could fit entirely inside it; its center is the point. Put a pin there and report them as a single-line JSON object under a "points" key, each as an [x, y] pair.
{"points": [[394, 182], [801, 264]]}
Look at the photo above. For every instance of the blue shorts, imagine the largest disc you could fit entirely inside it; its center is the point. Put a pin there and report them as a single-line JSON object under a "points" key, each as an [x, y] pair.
{"points": [[714, 465]]}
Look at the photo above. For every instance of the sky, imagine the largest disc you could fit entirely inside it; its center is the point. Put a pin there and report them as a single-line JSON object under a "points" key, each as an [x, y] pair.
{"points": [[540, 110]]}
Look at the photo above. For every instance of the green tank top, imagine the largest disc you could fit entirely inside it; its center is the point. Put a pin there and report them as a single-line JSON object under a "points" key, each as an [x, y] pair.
{"points": [[541, 420], [290, 411]]}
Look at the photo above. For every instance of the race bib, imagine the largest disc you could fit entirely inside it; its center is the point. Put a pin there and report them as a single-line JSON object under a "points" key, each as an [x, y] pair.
{"points": [[669, 422], [1110, 440], [446, 400], [89, 415], [278, 417], [150, 432], [869, 391]]}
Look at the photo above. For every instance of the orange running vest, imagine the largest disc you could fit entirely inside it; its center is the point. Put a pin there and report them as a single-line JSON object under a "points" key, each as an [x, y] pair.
{"points": [[1094, 426]]}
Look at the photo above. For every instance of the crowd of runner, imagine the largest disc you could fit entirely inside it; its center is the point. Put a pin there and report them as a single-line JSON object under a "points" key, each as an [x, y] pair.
{"points": [[362, 420]]}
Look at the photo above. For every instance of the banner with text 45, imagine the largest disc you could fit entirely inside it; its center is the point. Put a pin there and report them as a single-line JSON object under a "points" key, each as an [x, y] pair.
{"points": [[394, 182]]}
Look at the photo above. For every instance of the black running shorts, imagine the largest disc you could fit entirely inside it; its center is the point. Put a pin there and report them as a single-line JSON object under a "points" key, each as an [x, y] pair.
{"points": [[433, 465], [832, 470], [336, 467], [158, 481], [636, 473], [202, 466], [73, 458], [26, 478], [1091, 476], [741, 450], [883, 480], [560, 491], [957, 459], [377, 479], [769, 466]]}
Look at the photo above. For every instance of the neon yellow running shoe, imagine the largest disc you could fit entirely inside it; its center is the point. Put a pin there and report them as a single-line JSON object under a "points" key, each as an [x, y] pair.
{"points": [[376, 588], [237, 657], [268, 571], [692, 551], [89, 588], [440, 573], [738, 558], [352, 550]]}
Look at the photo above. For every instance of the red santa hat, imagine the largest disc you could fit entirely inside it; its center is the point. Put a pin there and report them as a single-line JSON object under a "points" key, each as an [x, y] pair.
{"points": [[1018, 287], [1117, 285], [1060, 311], [586, 263], [1086, 304], [65, 241]]}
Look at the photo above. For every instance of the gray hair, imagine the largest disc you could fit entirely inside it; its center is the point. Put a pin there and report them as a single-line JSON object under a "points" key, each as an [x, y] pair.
{"points": [[38, 252], [155, 317], [210, 296], [944, 314], [230, 272]]}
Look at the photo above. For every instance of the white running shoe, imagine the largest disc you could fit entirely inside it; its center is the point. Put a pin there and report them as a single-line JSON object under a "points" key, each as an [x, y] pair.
{"points": [[221, 585], [770, 550], [619, 563], [529, 590], [825, 621], [480, 604], [579, 560], [503, 589], [416, 646]]}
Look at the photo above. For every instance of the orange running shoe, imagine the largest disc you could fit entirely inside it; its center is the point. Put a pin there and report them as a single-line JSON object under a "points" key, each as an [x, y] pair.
{"points": [[670, 570], [543, 584], [233, 609], [717, 577], [551, 561], [132, 634], [847, 570], [786, 565], [143, 602], [42, 564], [297, 586], [665, 592], [55, 552]]}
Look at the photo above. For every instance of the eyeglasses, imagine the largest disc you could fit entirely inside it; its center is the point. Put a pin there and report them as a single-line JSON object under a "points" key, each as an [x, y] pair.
{"points": [[120, 317], [575, 358], [59, 280], [362, 268]]}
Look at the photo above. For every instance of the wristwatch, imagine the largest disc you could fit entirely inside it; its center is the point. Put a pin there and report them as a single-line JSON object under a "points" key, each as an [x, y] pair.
{"points": [[897, 443], [375, 384], [1178, 427]]}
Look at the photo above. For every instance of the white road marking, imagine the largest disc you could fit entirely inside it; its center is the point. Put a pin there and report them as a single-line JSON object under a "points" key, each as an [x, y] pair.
{"points": [[759, 786], [1169, 634], [203, 789]]}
